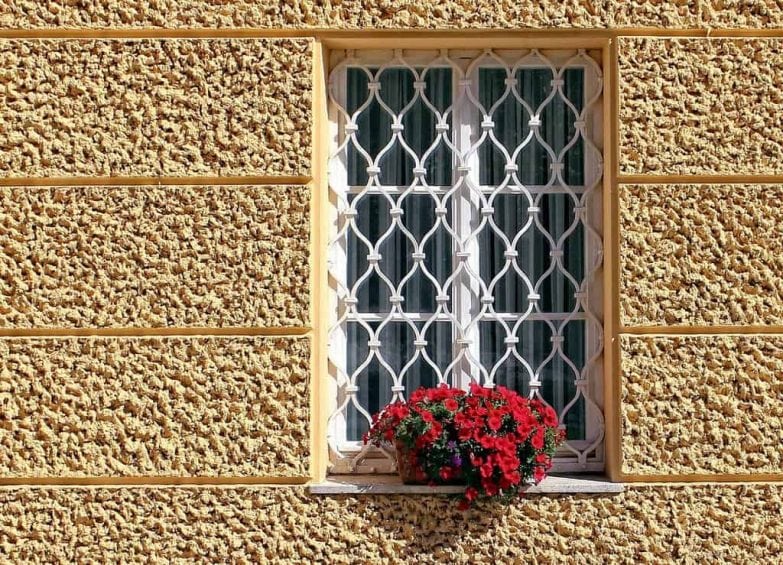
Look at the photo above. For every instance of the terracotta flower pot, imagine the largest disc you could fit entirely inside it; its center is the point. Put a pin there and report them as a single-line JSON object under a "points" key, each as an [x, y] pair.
{"points": [[406, 466]]}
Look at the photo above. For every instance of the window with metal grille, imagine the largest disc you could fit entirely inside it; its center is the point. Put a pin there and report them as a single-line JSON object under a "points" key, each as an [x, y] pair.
{"points": [[466, 236]]}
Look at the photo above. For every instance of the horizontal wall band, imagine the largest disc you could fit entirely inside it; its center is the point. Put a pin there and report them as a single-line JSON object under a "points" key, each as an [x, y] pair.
{"points": [[327, 34], [301, 180], [149, 481], [701, 330], [283, 482], [701, 479], [699, 179], [142, 181], [151, 332]]}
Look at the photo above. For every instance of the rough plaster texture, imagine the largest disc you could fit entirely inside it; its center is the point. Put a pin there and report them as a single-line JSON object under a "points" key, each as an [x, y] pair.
{"points": [[390, 14], [742, 13], [701, 254], [653, 13], [340, 14], [203, 256], [155, 107], [228, 406], [701, 106], [699, 524], [702, 405]]}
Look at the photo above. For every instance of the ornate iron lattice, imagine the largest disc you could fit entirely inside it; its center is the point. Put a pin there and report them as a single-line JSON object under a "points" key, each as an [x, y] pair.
{"points": [[466, 236]]}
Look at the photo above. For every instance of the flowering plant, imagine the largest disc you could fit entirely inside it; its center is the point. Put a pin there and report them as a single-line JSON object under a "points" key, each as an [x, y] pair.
{"points": [[492, 440]]}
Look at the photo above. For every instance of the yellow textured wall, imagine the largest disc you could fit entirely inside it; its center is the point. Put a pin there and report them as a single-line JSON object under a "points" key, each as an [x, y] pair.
{"points": [[699, 524], [341, 14], [185, 254], [698, 106], [155, 107], [702, 405], [144, 256], [127, 406], [391, 14], [742, 13], [701, 254]]}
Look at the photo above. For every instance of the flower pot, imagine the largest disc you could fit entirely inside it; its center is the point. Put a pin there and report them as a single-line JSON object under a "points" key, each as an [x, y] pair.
{"points": [[406, 466]]}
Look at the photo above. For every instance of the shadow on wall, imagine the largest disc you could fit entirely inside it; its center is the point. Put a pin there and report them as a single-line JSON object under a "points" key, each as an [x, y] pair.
{"points": [[420, 529]]}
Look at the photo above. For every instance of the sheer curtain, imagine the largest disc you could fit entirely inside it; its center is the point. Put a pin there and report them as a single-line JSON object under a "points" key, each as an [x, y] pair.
{"points": [[373, 220], [556, 216]]}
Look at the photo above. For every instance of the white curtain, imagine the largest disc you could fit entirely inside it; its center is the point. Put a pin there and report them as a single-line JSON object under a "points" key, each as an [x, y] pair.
{"points": [[373, 219]]}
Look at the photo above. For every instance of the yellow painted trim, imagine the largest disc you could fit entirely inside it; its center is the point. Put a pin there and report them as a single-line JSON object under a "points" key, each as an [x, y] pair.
{"points": [[673, 331], [612, 445], [151, 332], [539, 35], [149, 481], [153, 33], [329, 34], [464, 40], [700, 179], [153, 181], [702, 478], [611, 273], [319, 277]]}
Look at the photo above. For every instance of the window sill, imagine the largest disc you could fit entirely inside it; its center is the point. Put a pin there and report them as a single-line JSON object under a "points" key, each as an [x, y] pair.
{"points": [[391, 484]]}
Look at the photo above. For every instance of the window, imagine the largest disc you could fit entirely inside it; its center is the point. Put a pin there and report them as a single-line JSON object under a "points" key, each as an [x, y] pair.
{"points": [[466, 236]]}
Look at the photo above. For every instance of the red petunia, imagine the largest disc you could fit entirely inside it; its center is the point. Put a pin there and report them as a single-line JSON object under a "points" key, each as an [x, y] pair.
{"points": [[538, 439], [490, 487], [494, 422], [487, 442], [486, 470], [472, 428]]}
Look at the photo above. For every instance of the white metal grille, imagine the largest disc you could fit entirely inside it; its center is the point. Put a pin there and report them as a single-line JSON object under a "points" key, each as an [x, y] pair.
{"points": [[476, 190]]}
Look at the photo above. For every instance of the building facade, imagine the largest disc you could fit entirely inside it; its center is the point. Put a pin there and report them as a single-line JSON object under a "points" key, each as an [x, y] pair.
{"points": [[166, 379]]}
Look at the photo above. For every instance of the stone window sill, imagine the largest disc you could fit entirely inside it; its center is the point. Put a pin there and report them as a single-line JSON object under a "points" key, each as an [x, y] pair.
{"points": [[391, 484]]}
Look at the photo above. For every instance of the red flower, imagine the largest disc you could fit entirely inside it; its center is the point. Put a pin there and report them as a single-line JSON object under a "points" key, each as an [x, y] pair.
{"points": [[524, 430], [538, 439], [489, 487], [486, 470], [472, 428], [494, 423], [550, 417], [487, 442]]}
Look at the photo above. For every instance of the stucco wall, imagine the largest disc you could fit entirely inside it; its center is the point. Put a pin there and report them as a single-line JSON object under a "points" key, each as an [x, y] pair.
{"points": [[155, 107], [701, 106], [702, 405], [206, 136], [146, 256], [699, 524], [695, 255], [127, 406], [390, 14]]}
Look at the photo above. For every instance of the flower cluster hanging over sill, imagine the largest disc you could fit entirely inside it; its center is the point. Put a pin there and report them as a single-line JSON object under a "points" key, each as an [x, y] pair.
{"points": [[494, 441]]}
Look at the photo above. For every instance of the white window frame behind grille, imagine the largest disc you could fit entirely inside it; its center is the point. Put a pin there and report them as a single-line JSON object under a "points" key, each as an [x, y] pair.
{"points": [[352, 457]]}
